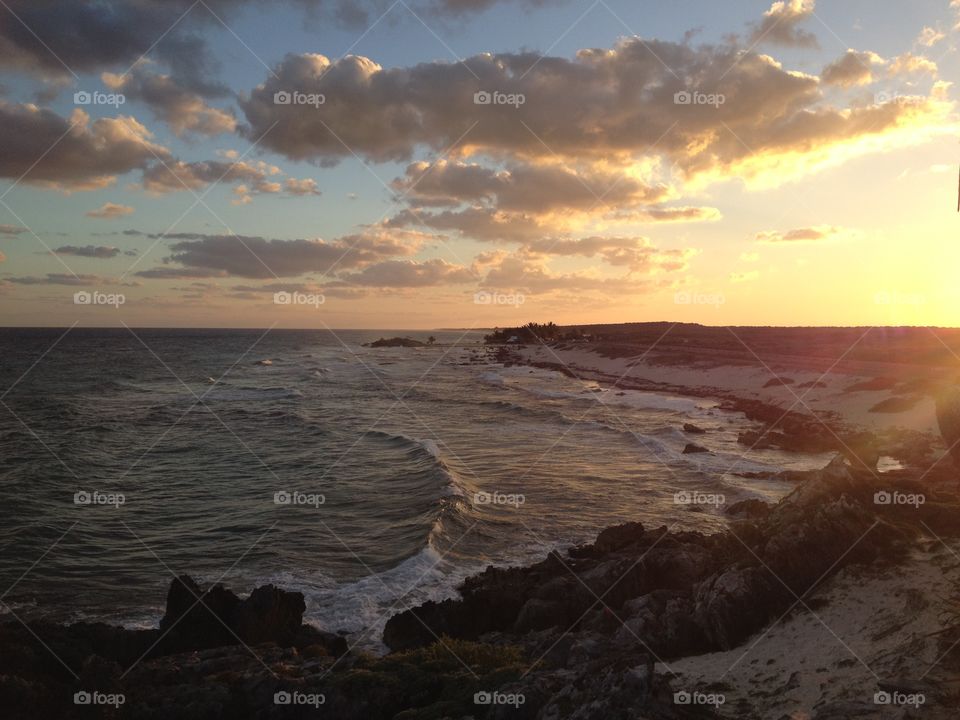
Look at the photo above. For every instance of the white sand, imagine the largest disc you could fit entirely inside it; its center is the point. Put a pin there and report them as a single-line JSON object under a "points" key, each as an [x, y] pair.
{"points": [[747, 381], [865, 624]]}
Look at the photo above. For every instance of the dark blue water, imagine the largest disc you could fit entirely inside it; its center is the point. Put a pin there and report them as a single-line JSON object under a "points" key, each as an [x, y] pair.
{"points": [[199, 431]]}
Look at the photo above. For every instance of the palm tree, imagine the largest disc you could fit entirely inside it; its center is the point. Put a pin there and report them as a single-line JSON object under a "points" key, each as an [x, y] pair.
{"points": [[431, 339]]}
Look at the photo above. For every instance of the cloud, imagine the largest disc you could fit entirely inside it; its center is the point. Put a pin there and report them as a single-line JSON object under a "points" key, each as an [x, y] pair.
{"points": [[110, 210], [73, 153], [178, 175], [636, 253], [411, 274], [52, 37], [910, 64], [182, 109], [307, 186], [605, 105], [807, 234], [532, 276], [853, 68], [258, 257], [525, 187], [68, 279], [12, 230], [780, 24], [930, 36], [742, 277], [257, 178], [89, 251]]}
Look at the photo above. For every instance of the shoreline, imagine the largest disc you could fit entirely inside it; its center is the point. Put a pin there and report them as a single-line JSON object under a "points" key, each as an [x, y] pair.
{"points": [[780, 400], [622, 624], [764, 619]]}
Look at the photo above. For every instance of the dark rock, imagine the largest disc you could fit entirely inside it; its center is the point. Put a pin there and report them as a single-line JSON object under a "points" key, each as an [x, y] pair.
{"points": [[692, 448], [693, 429], [215, 617], [861, 450], [618, 536]]}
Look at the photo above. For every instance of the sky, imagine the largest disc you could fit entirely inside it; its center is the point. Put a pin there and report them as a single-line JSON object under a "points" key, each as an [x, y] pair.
{"points": [[474, 163]]}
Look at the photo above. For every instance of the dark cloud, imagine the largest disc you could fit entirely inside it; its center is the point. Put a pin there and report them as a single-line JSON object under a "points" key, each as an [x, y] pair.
{"points": [[74, 154], [525, 187], [258, 257], [90, 251], [56, 37], [63, 279]]}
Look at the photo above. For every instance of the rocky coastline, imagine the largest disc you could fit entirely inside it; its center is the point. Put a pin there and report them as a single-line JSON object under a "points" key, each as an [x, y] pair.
{"points": [[578, 635]]}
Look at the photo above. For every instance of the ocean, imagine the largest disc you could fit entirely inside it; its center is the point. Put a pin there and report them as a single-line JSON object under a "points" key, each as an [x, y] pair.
{"points": [[370, 479]]}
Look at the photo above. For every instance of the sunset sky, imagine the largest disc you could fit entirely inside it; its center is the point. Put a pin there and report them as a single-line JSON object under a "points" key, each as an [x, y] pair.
{"points": [[725, 163]]}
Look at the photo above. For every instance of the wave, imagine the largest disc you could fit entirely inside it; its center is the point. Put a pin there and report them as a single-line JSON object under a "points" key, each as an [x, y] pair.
{"points": [[455, 484]]}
